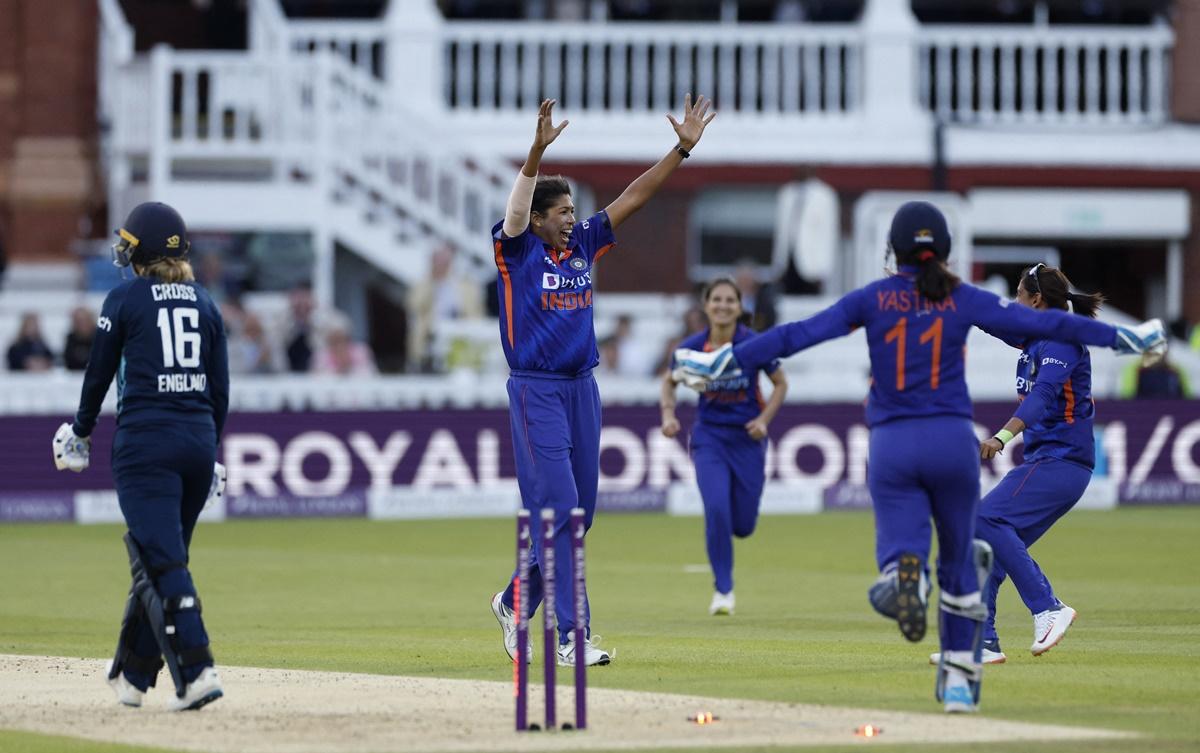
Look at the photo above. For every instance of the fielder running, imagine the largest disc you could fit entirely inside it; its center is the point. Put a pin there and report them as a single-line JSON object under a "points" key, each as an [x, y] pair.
{"points": [[545, 261], [1054, 384], [924, 457], [728, 444], [163, 338]]}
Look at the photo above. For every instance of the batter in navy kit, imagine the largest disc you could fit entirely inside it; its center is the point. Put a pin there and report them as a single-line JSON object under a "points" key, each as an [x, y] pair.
{"points": [[162, 337]]}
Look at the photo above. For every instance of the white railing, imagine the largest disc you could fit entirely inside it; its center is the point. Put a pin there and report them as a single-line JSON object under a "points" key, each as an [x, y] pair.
{"points": [[637, 68], [1045, 75]]}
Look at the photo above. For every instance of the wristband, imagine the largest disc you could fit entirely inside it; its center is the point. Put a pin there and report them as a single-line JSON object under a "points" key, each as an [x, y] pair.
{"points": [[1004, 435], [682, 152]]}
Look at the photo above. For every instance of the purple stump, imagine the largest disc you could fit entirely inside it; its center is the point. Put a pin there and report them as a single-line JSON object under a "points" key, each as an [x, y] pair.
{"points": [[521, 608], [550, 638], [579, 581]]}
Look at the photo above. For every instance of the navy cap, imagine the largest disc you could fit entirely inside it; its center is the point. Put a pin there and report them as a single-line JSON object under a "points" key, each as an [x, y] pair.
{"points": [[919, 226]]}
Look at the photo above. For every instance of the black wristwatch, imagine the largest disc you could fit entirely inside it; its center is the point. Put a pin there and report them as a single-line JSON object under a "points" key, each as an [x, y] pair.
{"points": [[682, 152]]}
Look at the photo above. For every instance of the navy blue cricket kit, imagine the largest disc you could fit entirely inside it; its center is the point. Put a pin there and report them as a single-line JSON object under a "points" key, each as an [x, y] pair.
{"points": [[165, 345], [1054, 384], [730, 464], [924, 456], [549, 338]]}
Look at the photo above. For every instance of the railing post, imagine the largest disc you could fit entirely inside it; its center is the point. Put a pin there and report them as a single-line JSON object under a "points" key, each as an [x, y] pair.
{"points": [[159, 170], [323, 179], [890, 67], [414, 53]]}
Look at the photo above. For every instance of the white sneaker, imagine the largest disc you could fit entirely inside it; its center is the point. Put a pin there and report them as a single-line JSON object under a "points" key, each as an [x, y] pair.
{"points": [[721, 603], [1049, 627], [127, 692], [508, 624], [989, 657], [592, 656], [200, 692]]}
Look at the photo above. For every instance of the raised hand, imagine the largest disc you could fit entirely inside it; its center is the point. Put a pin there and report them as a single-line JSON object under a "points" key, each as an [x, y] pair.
{"points": [[695, 118], [547, 132]]}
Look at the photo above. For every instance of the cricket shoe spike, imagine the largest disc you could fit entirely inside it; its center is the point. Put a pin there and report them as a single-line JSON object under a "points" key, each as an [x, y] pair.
{"points": [[911, 596]]}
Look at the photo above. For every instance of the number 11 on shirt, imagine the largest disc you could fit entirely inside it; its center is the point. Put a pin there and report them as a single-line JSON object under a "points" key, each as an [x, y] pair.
{"points": [[899, 334]]}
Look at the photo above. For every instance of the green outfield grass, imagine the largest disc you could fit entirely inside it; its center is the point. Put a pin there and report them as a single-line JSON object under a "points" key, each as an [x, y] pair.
{"points": [[412, 598]]}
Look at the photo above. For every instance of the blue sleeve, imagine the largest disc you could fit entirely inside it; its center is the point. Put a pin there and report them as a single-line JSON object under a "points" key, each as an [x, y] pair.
{"points": [[218, 372], [595, 235], [103, 361], [784, 340], [1055, 362], [510, 247], [991, 313]]}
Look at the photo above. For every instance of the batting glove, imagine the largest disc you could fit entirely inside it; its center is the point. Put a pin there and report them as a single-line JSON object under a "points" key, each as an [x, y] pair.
{"points": [[71, 452], [217, 489]]}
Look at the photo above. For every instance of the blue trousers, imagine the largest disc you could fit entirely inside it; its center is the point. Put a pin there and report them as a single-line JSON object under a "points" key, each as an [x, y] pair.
{"points": [[730, 471], [162, 474], [556, 441], [1014, 515], [923, 468]]}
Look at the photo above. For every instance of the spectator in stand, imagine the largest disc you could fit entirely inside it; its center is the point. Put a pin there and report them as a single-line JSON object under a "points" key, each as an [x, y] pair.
{"points": [[632, 358], [250, 351], [299, 331], [610, 357], [78, 346], [341, 354], [29, 351], [444, 295], [1161, 380], [759, 300]]}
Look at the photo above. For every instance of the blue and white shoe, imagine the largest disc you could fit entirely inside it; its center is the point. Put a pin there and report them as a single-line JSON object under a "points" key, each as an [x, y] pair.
{"points": [[1148, 338], [957, 698], [991, 654], [200, 692]]}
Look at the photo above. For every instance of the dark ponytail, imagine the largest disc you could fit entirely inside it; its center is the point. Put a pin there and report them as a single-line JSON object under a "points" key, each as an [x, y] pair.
{"points": [[1056, 292], [935, 281]]}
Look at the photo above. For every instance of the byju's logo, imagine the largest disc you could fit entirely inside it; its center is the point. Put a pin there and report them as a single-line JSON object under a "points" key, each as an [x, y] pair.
{"points": [[551, 281]]}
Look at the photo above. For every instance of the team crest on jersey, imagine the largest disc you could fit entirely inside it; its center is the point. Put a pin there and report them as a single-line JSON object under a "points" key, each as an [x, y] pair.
{"points": [[577, 264]]}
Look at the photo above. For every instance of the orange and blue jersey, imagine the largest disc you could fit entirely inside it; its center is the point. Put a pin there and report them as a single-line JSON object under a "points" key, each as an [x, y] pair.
{"points": [[1054, 383], [546, 322], [730, 400], [917, 346]]}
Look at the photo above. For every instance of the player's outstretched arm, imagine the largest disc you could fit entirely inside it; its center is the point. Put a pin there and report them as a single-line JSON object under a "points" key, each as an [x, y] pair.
{"points": [[516, 215], [696, 118]]}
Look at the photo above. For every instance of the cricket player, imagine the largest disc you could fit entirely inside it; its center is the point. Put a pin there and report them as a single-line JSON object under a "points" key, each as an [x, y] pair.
{"points": [[545, 260], [162, 337], [728, 444], [924, 458]]}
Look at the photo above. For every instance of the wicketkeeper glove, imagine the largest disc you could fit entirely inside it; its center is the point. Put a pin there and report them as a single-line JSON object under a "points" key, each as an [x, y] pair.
{"points": [[1148, 338], [696, 368], [71, 452]]}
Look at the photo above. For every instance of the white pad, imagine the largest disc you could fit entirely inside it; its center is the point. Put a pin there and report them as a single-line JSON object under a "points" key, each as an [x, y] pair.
{"points": [[71, 452]]}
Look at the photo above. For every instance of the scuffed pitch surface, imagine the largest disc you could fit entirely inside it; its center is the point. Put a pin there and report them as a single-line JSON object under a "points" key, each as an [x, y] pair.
{"points": [[285, 711]]}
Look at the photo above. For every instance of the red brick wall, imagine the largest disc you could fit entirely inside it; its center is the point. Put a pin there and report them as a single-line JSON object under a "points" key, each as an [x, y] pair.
{"points": [[48, 183], [1185, 73]]}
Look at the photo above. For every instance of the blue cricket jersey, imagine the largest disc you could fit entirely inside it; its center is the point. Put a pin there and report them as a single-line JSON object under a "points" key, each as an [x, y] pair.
{"points": [[546, 322], [1054, 384], [730, 400], [165, 343], [916, 345]]}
